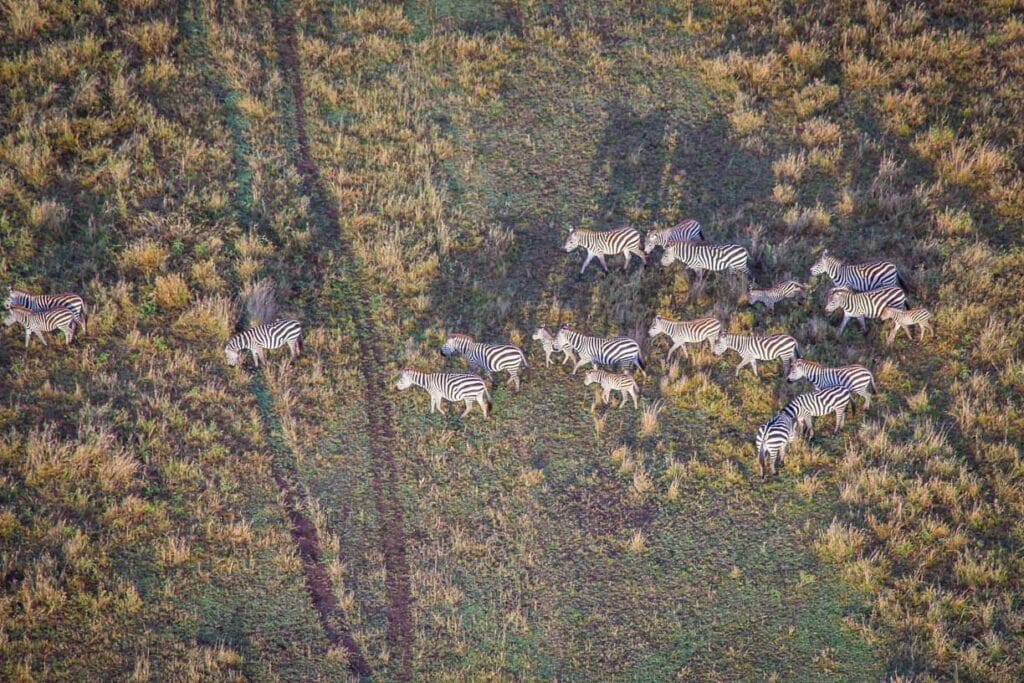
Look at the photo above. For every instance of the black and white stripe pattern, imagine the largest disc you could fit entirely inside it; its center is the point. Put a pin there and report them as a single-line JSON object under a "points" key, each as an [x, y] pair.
{"points": [[612, 381], [687, 231], [547, 341], [700, 257], [905, 320], [614, 352], [813, 404], [683, 332], [625, 241], [790, 289], [489, 358], [43, 302], [270, 336], [449, 386], [773, 438], [58, 318], [855, 378], [753, 348], [859, 277], [861, 305]]}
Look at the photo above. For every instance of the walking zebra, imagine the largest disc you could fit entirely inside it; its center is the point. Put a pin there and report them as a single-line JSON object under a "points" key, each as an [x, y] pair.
{"points": [[625, 241], [38, 303], [754, 347], [610, 351], [449, 386], [773, 437], [611, 381], [547, 340], [683, 332], [687, 231], [856, 378], [861, 305], [790, 289], [270, 336], [817, 403], [700, 256], [860, 277], [905, 319], [57, 318], [489, 358]]}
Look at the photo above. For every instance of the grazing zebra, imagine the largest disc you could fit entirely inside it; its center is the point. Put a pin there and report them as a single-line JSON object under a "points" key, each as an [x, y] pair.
{"points": [[700, 256], [754, 347], [611, 351], [773, 437], [625, 241], [862, 305], [42, 302], [817, 403], [905, 319], [270, 336], [860, 277], [449, 386], [490, 358], [856, 378], [687, 231], [683, 332], [57, 318], [611, 381], [547, 340], [790, 289]]}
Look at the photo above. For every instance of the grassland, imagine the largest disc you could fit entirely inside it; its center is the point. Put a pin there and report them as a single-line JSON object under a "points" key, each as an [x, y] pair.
{"points": [[402, 172]]}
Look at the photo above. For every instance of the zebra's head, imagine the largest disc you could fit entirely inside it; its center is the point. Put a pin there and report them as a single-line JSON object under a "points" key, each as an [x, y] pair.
{"points": [[10, 298], [562, 338], [796, 370], [231, 355], [591, 377], [455, 344], [719, 347], [656, 327], [837, 298], [573, 240], [889, 313], [668, 256], [404, 380], [823, 263], [654, 239]]}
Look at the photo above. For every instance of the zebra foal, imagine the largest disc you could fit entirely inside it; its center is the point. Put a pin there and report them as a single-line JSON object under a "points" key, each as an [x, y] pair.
{"points": [[859, 277], [856, 378], [547, 341], [58, 318], [790, 289], [270, 336], [687, 231], [449, 386], [861, 305], [625, 241], [754, 347], [37, 303], [489, 358], [905, 319], [683, 332], [611, 351], [612, 381]]}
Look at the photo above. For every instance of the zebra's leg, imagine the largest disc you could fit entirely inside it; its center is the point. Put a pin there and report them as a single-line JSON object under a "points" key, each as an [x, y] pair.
{"points": [[42, 337], [483, 405], [600, 259], [675, 347], [469, 406], [892, 335], [586, 261], [867, 398], [641, 255], [863, 324], [293, 348], [606, 395], [808, 426], [840, 418], [579, 364], [547, 357], [68, 334], [743, 361], [842, 325], [761, 463], [28, 335], [906, 328], [926, 326], [753, 366], [632, 392], [628, 255], [513, 376]]}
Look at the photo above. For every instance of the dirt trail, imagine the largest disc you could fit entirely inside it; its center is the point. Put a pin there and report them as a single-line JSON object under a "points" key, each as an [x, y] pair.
{"points": [[372, 359]]}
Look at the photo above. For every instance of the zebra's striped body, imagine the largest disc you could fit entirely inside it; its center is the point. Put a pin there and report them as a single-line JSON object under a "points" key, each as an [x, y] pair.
{"points": [[687, 231], [683, 332], [700, 256], [612, 381], [790, 289], [489, 358], [38, 303], [448, 386], [625, 241], [861, 305], [773, 438], [610, 351], [58, 318], [813, 404], [856, 378], [753, 348], [270, 336], [905, 319], [859, 277], [547, 340]]}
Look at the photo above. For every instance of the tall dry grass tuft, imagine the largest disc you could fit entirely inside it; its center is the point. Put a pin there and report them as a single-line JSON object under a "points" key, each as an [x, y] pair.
{"points": [[261, 302]]}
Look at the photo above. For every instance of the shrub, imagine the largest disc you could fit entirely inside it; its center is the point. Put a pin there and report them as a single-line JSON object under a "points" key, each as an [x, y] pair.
{"points": [[170, 292]]}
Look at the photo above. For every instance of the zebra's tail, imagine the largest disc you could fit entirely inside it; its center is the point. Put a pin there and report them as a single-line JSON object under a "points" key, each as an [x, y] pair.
{"points": [[796, 351], [84, 318], [873, 386], [903, 283], [300, 344]]}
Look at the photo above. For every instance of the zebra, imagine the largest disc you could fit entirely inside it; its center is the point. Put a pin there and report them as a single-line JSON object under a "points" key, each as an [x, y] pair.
{"points": [[611, 351], [625, 241], [790, 289], [753, 347], [817, 403], [547, 340], [56, 318], [860, 277], [38, 303], [449, 386], [270, 336], [611, 381], [905, 319], [856, 378], [773, 437], [490, 358], [861, 305], [687, 231], [683, 332], [700, 256]]}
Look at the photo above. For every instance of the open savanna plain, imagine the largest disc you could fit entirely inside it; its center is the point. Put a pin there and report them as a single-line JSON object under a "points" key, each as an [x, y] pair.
{"points": [[389, 173]]}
